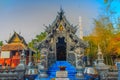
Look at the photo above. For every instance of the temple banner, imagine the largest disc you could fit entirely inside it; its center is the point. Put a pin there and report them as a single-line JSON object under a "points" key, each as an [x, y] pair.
{"points": [[5, 54]]}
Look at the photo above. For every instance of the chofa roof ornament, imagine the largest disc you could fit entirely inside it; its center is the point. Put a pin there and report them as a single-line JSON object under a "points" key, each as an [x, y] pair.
{"points": [[61, 13]]}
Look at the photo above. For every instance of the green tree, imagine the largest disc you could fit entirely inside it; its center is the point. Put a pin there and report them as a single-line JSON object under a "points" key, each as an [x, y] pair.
{"points": [[37, 39], [1, 43], [103, 34]]}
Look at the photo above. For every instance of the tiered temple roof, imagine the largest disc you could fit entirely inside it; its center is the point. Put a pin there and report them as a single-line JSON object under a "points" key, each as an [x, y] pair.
{"points": [[16, 42], [13, 46]]}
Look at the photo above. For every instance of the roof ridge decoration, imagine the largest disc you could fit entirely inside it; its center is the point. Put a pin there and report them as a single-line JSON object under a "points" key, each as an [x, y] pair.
{"points": [[61, 19], [61, 24], [61, 13]]}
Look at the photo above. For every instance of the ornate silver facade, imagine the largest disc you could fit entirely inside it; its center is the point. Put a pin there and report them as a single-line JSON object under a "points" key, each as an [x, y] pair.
{"points": [[61, 43]]}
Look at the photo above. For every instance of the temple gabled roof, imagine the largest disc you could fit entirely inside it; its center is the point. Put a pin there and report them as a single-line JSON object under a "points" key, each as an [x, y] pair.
{"points": [[61, 18], [16, 42], [54, 28], [14, 46], [16, 38]]}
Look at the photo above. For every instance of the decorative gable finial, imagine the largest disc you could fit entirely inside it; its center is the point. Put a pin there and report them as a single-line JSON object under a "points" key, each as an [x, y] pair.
{"points": [[99, 50], [100, 55], [61, 10], [61, 13]]}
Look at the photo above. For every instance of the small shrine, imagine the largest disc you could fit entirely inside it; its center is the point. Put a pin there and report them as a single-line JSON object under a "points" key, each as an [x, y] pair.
{"points": [[100, 60], [10, 52], [101, 66]]}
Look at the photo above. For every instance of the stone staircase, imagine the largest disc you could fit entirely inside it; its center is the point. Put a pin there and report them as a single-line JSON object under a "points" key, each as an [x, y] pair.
{"points": [[55, 67]]}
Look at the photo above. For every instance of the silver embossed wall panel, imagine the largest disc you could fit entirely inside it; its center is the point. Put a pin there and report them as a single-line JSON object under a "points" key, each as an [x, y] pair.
{"points": [[51, 59], [71, 59]]}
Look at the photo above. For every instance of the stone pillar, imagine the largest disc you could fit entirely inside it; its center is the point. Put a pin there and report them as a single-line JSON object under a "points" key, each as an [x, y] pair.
{"points": [[21, 67], [30, 55], [42, 71], [23, 58], [118, 66], [79, 66]]}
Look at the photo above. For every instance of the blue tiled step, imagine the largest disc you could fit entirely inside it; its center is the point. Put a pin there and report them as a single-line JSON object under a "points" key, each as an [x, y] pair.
{"points": [[55, 67]]}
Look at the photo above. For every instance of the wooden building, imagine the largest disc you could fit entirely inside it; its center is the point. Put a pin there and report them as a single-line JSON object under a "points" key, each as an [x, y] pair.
{"points": [[10, 52]]}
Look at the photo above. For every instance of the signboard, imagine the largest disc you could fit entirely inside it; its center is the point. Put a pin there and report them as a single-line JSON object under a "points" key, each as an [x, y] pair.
{"points": [[62, 74], [5, 54]]}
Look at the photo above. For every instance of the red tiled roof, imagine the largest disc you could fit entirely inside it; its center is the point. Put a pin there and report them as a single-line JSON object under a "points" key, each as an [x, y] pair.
{"points": [[13, 46]]}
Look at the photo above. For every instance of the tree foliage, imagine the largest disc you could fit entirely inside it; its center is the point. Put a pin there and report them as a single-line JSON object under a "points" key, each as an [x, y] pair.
{"points": [[104, 35], [37, 39], [1, 43]]}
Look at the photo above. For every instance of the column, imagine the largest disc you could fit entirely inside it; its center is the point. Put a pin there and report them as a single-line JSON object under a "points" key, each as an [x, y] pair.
{"points": [[30, 55]]}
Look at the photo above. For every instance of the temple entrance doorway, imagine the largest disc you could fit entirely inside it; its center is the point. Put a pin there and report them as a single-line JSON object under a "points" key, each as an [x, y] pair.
{"points": [[61, 49]]}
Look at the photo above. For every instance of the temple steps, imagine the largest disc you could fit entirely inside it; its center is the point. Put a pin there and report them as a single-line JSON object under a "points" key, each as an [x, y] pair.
{"points": [[55, 67]]}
